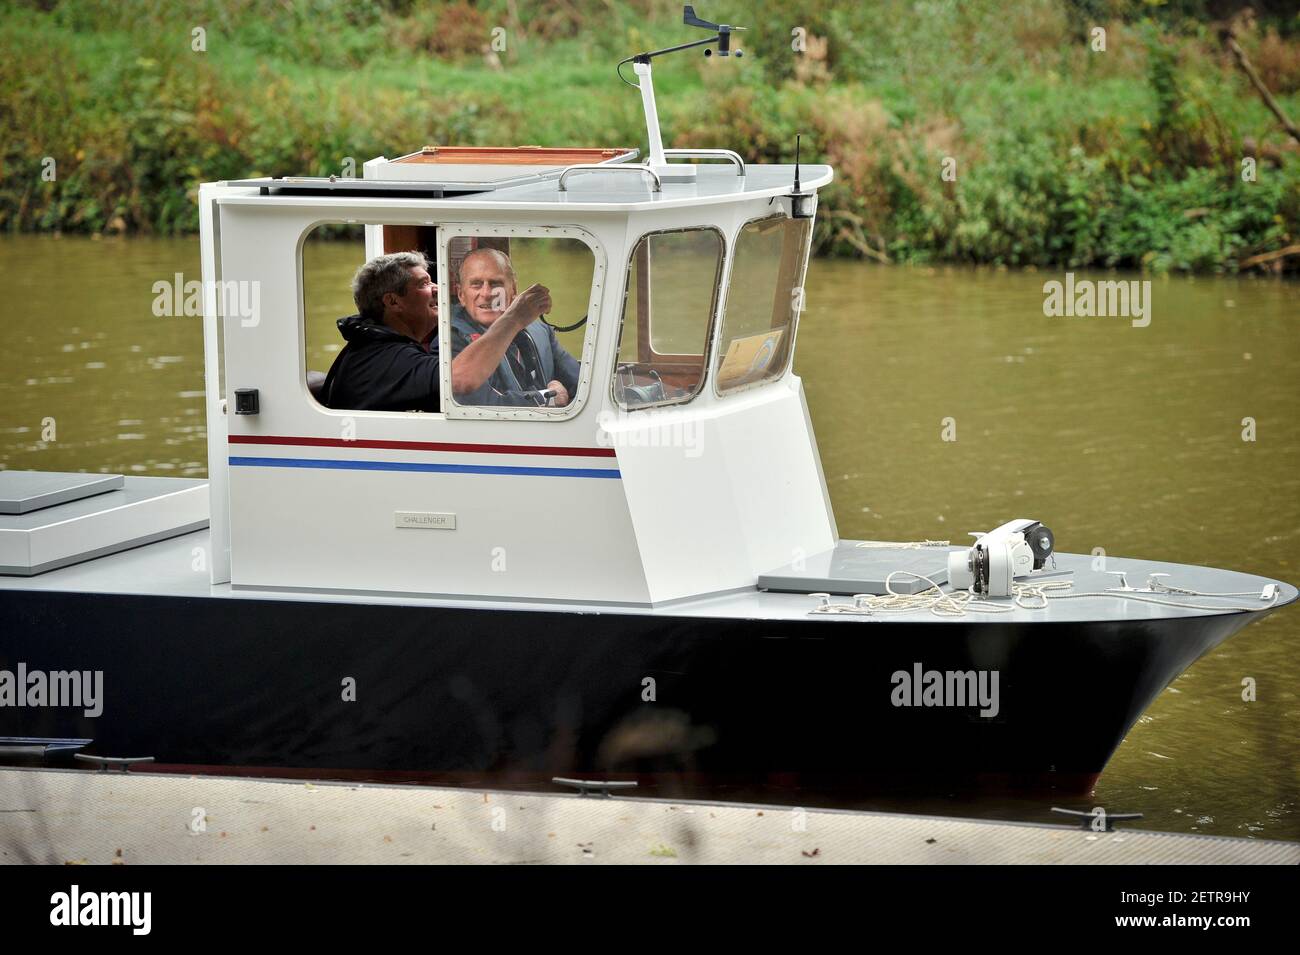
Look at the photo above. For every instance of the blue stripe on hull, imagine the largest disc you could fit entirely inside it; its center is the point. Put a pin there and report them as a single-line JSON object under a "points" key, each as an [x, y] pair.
{"points": [[412, 466]]}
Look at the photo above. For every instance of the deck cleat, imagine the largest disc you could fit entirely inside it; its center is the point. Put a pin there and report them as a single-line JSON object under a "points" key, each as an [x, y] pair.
{"points": [[1123, 581]]}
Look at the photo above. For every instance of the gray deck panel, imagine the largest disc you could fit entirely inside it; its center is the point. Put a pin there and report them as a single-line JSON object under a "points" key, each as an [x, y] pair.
{"points": [[127, 544], [167, 568], [86, 526], [849, 569], [22, 492], [135, 490]]}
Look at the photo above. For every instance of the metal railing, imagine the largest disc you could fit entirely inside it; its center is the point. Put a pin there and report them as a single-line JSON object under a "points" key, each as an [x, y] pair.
{"points": [[601, 167], [708, 154]]}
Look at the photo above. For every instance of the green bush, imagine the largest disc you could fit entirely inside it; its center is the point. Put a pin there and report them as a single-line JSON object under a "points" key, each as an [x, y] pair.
{"points": [[1064, 156]]}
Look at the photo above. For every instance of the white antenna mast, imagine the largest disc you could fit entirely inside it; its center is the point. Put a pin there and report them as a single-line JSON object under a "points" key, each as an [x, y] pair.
{"points": [[675, 172]]}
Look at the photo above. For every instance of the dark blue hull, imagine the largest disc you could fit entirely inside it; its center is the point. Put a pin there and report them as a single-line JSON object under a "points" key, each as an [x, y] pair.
{"points": [[794, 711]]}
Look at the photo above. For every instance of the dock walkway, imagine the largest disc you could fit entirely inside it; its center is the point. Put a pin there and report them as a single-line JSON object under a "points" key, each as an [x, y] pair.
{"points": [[80, 817]]}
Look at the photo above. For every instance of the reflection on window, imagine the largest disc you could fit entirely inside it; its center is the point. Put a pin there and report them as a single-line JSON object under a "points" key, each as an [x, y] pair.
{"points": [[672, 287], [764, 296], [517, 322]]}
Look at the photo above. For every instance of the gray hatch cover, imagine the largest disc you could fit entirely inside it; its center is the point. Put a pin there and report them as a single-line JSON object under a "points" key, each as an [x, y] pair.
{"points": [[22, 492], [849, 569]]}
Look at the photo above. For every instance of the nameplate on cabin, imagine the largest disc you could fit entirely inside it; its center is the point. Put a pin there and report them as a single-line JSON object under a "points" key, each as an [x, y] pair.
{"points": [[425, 520]]}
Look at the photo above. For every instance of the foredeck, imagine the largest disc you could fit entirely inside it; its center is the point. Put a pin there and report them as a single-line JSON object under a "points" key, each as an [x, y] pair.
{"points": [[168, 568]]}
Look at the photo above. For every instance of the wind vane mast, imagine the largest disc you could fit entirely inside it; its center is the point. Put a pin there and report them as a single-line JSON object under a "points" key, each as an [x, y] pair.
{"points": [[675, 172]]}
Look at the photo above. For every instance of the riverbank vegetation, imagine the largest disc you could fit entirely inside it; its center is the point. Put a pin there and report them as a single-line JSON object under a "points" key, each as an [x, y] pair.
{"points": [[973, 131]]}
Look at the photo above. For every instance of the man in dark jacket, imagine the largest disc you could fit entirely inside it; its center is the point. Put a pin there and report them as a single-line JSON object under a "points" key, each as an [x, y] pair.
{"points": [[385, 366]]}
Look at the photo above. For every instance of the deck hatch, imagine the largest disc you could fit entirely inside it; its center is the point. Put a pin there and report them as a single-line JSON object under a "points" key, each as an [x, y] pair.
{"points": [[22, 492]]}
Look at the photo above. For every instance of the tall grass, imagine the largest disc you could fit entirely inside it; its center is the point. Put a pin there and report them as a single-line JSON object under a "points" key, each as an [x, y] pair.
{"points": [[1063, 155]]}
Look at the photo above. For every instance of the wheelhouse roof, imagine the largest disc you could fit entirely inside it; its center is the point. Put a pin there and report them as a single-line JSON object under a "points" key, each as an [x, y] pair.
{"points": [[591, 191]]}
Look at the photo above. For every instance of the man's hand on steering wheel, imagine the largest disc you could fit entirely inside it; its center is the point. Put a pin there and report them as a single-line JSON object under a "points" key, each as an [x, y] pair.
{"points": [[561, 398]]}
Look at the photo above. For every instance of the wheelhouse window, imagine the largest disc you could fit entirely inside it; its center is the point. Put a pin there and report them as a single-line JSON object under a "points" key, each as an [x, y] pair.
{"points": [[668, 309], [518, 328], [391, 365], [764, 298]]}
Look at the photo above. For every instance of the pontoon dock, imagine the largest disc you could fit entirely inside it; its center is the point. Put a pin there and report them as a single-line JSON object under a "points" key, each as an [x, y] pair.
{"points": [[80, 817]]}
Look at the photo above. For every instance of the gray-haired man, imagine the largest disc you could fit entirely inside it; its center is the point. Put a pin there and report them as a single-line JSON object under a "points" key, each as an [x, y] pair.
{"points": [[504, 354], [386, 365]]}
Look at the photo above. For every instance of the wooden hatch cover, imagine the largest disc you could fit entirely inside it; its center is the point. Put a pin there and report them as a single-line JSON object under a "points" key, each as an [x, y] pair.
{"points": [[512, 155]]}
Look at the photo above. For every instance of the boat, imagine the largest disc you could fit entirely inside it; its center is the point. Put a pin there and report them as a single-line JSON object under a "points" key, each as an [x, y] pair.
{"points": [[644, 584]]}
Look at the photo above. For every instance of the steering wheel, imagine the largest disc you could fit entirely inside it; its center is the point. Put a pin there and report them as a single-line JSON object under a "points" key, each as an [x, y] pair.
{"points": [[635, 389]]}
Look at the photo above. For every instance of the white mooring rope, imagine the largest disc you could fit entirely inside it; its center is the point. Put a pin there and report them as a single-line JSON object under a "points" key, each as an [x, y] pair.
{"points": [[1026, 596], [904, 545]]}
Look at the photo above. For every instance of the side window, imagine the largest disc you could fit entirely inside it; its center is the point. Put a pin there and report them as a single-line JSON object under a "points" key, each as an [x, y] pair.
{"points": [[370, 377], [668, 308], [517, 323], [764, 298], [330, 255]]}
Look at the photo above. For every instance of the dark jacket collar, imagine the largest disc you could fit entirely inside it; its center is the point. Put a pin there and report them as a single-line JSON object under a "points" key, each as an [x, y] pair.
{"points": [[354, 328]]}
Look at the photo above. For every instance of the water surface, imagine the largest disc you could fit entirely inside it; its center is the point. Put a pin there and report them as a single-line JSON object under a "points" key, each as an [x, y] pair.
{"points": [[1121, 438]]}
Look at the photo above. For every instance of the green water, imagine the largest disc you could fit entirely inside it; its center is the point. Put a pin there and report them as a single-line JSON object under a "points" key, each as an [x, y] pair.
{"points": [[1123, 438]]}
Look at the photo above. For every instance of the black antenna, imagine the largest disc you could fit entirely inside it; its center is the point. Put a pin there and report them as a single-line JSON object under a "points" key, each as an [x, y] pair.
{"points": [[802, 204], [797, 138]]}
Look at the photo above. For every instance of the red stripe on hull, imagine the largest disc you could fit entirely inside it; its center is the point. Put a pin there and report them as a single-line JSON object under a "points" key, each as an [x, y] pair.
{"points": [[423, 446]]}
